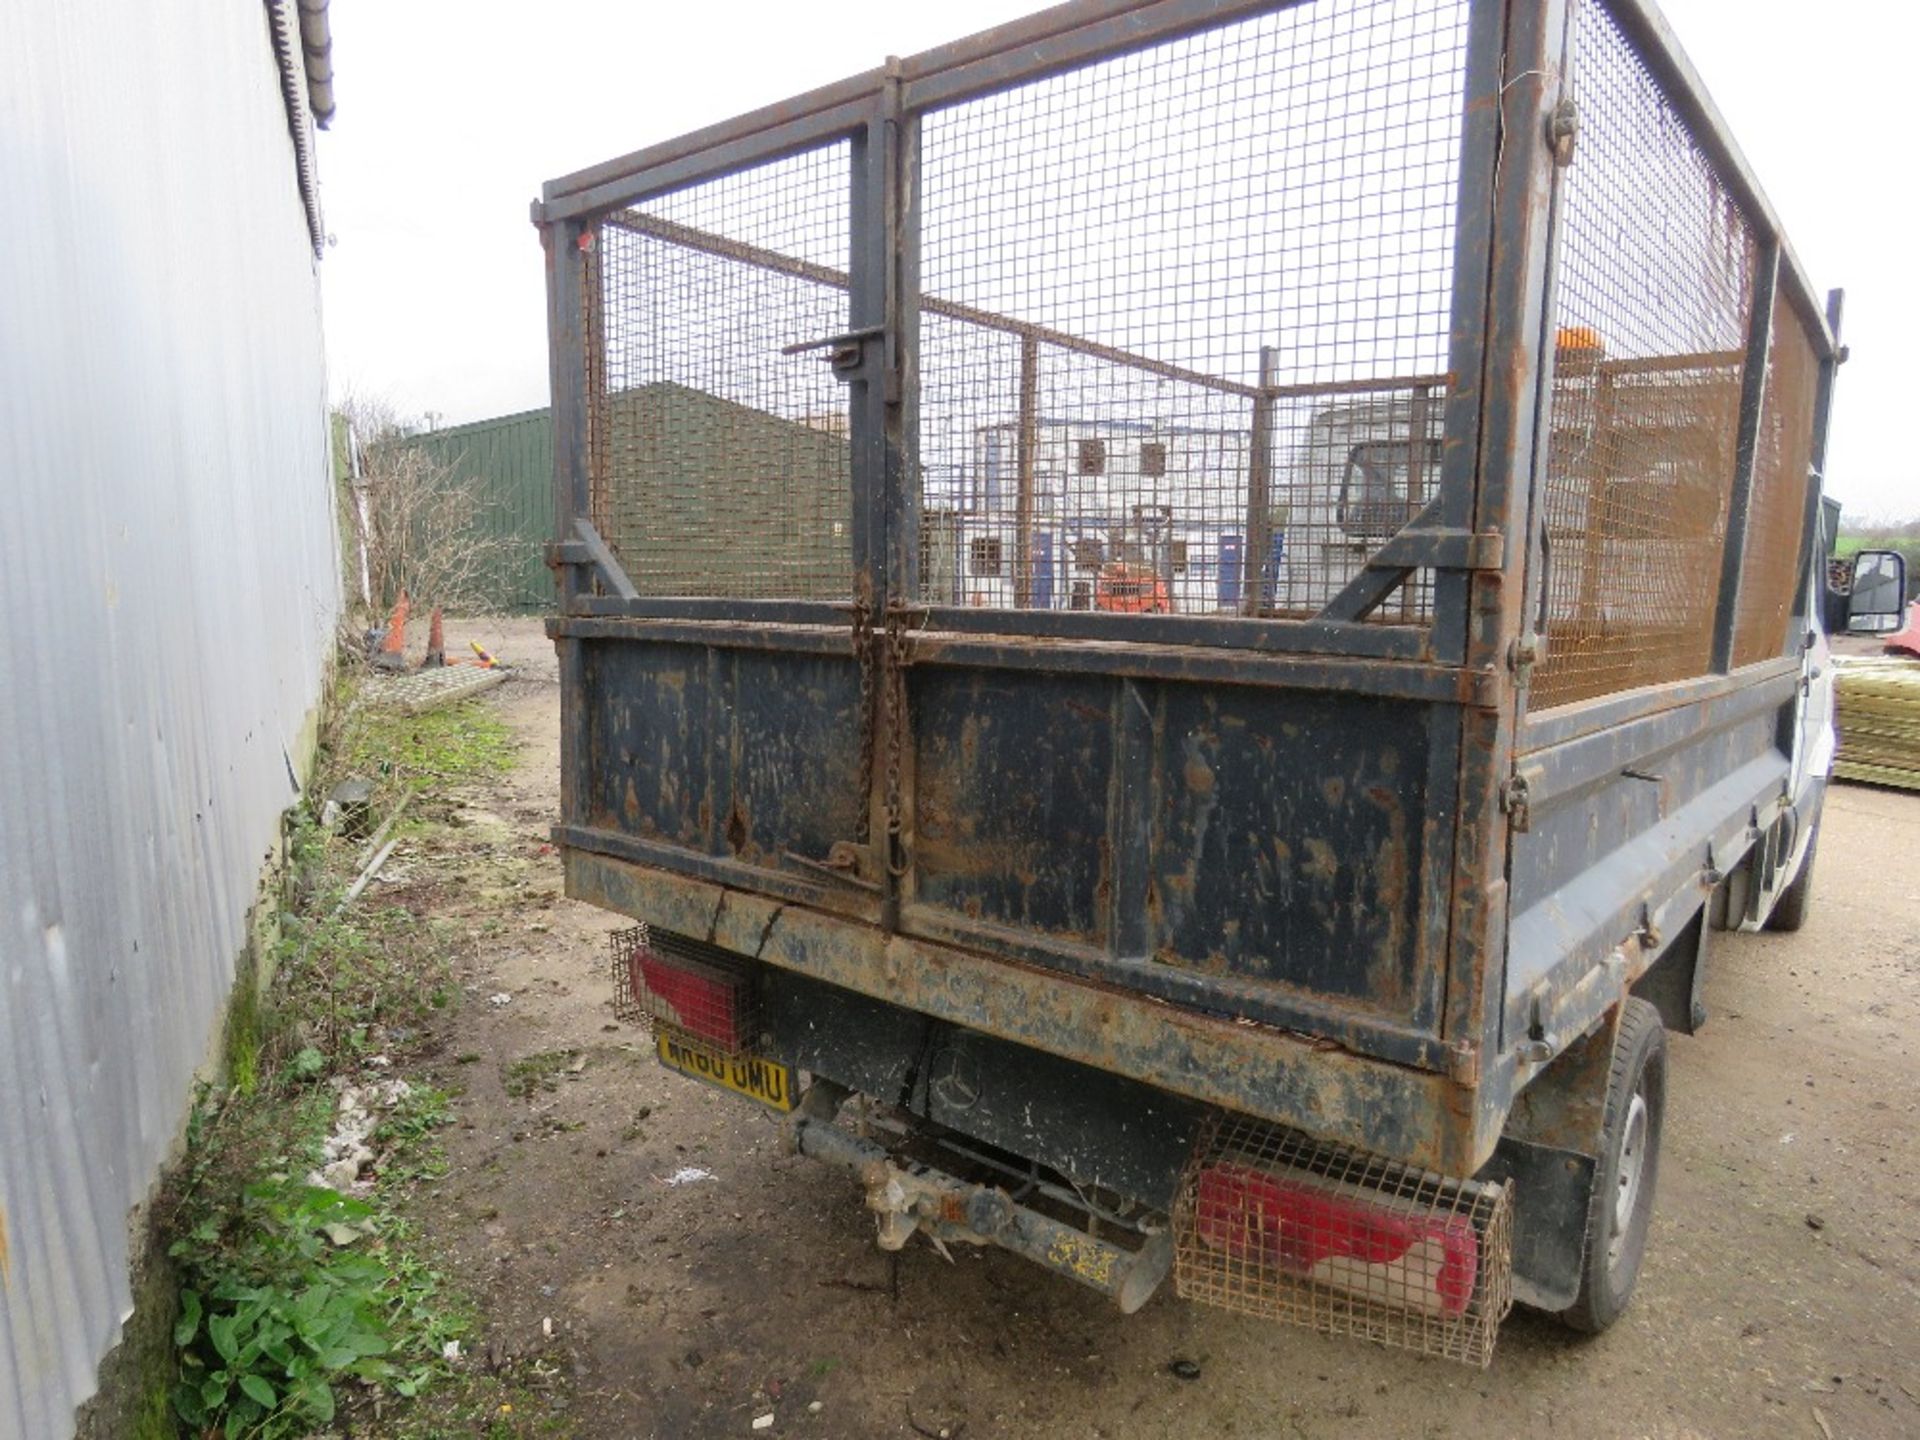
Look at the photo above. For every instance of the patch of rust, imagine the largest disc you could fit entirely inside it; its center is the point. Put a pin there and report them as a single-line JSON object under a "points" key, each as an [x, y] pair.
{"points": [[1317, 1082], [1392, 883], [1199, 775], [970, 729], [1323, 864]]}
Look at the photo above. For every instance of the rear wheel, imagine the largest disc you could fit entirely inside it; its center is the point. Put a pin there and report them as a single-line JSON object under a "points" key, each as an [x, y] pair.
{"points": [[1621, 1204], [1790, 910]]}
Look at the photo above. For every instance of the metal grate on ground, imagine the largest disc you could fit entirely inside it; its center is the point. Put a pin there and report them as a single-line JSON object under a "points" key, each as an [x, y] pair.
{"points": [[428, 689], [1654, 282], [1188, 315], [719, 458], [1272, 1223]]}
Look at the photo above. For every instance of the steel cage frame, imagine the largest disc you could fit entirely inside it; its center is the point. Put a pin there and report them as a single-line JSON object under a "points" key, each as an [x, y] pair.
{"points": [[877, 111], [1472, 659], [1778, 274]]}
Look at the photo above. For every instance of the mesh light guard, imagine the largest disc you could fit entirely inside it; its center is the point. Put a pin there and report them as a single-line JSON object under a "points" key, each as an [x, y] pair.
{"points": [[668, 982], [1270, 1222]]}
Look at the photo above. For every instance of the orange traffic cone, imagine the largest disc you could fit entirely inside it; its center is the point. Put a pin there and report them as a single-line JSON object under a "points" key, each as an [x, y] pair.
{"points": [[436, 644], [393, 650]]}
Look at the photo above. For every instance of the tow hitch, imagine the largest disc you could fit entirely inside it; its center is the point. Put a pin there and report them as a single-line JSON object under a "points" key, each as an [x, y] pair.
{"points": [[914, 1197]]}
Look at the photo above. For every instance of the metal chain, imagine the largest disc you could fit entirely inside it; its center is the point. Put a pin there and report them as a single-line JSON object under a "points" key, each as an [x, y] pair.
{"points": [[863, 652], [896, 679]]}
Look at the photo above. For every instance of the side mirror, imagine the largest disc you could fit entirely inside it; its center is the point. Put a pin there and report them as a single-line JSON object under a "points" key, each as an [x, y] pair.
{"points": [[1879, 599]]}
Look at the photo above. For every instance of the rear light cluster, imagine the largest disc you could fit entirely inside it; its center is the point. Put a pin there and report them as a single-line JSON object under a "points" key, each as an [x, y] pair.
{"points": [[1272, 1223], [686, 987], [1344, 1242]]}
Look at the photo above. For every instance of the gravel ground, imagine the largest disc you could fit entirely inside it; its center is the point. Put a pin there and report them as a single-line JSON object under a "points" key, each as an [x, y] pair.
{"points": [[1781, 1295]]}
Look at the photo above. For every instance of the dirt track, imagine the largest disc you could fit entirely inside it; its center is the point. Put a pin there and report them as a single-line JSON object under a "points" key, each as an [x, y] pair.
{"points": [[1781, 1295]]}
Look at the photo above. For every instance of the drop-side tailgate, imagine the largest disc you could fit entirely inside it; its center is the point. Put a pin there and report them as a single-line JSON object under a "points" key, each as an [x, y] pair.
{"points": [[1271, 852]]}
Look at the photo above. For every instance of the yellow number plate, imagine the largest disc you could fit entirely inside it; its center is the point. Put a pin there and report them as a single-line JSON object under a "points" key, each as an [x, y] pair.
{"points": [[767, 1081]]}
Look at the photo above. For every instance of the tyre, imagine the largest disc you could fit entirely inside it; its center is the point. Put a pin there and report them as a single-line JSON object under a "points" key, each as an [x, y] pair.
{"points": [[1621, 1204], [1789, 912]]}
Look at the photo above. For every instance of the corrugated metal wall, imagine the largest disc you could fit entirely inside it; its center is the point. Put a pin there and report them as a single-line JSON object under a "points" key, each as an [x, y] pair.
{"points": [[168, 590], [509, 462]]}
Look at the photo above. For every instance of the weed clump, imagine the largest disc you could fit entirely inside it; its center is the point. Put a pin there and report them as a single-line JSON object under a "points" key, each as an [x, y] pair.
{"points": [[299, 1299]]}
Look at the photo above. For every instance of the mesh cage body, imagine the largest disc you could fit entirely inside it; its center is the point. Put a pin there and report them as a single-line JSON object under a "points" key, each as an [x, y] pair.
{"points": [[684, 987], [1654, 283], [1183, 337], [1186, 315], [720, 462], [1272, 1223]]}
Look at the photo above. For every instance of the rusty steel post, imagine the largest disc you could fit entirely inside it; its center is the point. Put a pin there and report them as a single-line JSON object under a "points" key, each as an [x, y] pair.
{"points": [[1253, 571], [1753, 397], [1530, 41], [1029, 445]]}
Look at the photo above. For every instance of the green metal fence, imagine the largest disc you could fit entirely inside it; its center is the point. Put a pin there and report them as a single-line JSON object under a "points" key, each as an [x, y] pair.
{"points": [[509, 463]]}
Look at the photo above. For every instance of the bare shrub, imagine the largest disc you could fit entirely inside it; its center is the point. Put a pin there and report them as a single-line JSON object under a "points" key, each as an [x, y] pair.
{"points": [[419, 525]]}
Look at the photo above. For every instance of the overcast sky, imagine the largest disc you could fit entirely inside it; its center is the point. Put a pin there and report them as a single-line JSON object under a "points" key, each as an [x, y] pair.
{"points": [[450, 117]]}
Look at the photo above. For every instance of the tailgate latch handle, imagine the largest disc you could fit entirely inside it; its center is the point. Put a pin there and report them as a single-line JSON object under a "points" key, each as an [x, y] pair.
{"points": [[842, 864], [847, 353]]}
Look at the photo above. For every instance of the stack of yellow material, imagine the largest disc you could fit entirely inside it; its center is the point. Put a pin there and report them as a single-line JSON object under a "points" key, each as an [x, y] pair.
{"points": [[1878, 713]]}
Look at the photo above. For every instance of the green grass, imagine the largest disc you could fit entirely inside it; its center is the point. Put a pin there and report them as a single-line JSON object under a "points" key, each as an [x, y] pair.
{"points": [[538, 1072], [1907, 544], [408, 1132], [297, 1299], [454, 744], [520, 1403], [298, 1303]]}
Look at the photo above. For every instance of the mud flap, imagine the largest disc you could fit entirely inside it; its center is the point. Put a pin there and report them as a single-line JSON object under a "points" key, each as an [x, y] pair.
{"points": [[1550, 1191]]}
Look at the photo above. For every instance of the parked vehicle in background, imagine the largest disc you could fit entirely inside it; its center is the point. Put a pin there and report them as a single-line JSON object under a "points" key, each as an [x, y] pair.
{"points": [[1313, 934]]}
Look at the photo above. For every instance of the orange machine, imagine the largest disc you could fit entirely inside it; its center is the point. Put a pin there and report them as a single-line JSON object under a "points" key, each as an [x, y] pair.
{"points": [[1130, 590]]}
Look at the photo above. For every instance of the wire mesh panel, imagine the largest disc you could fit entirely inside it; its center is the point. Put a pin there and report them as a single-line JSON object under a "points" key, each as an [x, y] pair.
{"points": [[670, 982], [1655, 278], [1272, 1223], [1777, 501], [719, 456], [1186, 317]]}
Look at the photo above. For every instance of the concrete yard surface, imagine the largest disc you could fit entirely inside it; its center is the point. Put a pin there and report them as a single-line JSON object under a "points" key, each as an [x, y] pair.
{"points": [[1781, 1295]]}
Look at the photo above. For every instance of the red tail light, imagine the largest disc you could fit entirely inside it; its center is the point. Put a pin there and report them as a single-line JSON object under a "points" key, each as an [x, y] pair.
{"points": [[696, 998], [1338, 1235]]}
